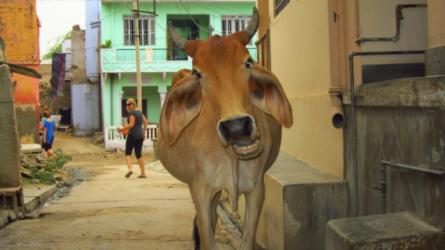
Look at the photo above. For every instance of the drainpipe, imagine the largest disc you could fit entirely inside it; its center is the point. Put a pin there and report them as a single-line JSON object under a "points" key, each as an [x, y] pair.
{"points": [[399, 18], [353, 112], [338, 118], [111, 100]]}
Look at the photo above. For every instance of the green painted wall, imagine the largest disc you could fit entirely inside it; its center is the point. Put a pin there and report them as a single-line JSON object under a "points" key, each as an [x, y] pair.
{"points": [[115, 87], [112, 26]]}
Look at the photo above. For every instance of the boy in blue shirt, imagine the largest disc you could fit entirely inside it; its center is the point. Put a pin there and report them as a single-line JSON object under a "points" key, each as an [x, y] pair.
{"points": [[49, 129]]}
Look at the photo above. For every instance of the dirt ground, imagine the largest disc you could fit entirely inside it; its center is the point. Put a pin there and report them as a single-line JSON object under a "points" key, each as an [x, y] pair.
{"points": [[108, 211]]}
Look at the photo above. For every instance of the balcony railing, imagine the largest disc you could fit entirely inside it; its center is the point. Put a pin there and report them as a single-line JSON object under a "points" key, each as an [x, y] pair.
{"points": [[116, 140], [152, 60]]}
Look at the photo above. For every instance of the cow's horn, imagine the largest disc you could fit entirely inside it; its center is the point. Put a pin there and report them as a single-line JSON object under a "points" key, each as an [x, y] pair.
{"points": [[177, 39], [253, 24]]}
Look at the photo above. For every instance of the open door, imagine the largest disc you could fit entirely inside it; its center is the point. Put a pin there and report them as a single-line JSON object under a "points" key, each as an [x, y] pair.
{"points": [[189, 27]]}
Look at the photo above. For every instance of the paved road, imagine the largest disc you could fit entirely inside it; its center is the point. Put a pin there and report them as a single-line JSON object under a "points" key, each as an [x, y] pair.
{"points": [[111, 212]]}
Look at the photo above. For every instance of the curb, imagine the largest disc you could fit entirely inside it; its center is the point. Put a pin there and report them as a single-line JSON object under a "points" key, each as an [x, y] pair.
{"points": [[7, 216], [40, 199]]}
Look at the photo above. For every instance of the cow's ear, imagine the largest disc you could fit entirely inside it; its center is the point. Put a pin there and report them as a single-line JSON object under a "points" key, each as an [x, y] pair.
{"points": [[267, 94], [182, 104], [179, 75]]}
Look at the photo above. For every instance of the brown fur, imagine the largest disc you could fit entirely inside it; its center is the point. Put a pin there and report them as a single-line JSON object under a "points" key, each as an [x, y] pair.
{"points": [[189, 145]]}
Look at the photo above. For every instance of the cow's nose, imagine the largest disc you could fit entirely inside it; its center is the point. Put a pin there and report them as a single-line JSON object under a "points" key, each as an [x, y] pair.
{"points": [[237, 130]]}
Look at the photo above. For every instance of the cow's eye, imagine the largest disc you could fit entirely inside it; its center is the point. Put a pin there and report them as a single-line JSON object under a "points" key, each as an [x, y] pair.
{"points": [[249, 62], [196, 74]]}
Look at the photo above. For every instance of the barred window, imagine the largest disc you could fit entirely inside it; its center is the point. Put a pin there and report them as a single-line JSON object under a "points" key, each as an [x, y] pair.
{"points": [[279, 5], [232, 24], [146, 30]]}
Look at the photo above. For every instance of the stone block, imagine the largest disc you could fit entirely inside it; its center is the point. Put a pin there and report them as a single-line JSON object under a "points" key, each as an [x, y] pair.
{"points": [[30, 148], [388, 231], [299, 201]]}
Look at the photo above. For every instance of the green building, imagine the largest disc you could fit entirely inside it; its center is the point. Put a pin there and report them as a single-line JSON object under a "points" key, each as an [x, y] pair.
{"points": [[159, 57]]}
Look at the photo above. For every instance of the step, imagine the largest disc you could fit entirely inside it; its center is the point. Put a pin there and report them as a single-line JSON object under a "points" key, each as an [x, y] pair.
{"points": [[299, 201], [31, 148], [388, 231]]}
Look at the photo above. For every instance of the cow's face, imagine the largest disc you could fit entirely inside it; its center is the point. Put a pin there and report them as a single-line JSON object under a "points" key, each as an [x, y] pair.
{"points": [[227, 81]]}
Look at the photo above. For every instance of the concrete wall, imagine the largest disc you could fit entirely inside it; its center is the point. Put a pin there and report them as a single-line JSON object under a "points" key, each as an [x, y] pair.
{"points": [[435, 56], [9, 141], [301, 60], [378, 19], [78, 64], [45, 85], [27, 123], [400, 121], [20, 30]]}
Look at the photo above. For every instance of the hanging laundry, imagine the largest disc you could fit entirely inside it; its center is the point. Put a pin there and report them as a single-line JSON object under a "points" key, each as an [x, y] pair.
{"points": [[58, 74]]}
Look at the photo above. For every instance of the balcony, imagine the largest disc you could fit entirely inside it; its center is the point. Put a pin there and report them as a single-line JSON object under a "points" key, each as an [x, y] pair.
{"points": [[152, 60]]}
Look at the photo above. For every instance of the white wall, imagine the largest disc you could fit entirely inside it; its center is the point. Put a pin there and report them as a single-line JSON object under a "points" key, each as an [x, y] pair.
{"points": [[91, 38], [85, 108]]}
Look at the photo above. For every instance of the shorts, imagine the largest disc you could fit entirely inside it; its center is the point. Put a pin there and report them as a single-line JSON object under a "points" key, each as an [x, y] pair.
{"points": [[134, 143], [47, 146]]}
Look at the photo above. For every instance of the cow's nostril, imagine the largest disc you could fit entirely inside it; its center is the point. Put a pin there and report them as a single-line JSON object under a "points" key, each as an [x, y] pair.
{"points": [[224, 129], [247, 126], [237, 129]]}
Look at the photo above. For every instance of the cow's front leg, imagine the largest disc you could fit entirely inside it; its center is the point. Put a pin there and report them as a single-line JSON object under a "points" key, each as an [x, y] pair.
{"points": [[202, 198], [254, 203]]}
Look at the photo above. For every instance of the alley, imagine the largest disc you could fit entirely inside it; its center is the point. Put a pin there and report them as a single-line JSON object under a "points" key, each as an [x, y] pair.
{"points": [[107, 211]]}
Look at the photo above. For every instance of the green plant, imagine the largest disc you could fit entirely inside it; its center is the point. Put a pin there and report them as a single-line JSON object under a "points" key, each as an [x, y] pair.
{"points": [[46, 173], [106, 45], [59, 160], [57, 47]]}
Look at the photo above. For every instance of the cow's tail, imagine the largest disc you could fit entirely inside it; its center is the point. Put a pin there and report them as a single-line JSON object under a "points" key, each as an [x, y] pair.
{"points": [[196, 237]]}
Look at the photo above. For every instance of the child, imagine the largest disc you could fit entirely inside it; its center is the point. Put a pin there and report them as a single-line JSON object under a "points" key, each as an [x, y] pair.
{"points": [[49, 129]]}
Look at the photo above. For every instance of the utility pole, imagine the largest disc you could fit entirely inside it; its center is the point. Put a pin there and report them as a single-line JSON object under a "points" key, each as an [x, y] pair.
{"points": [[138, 56]]}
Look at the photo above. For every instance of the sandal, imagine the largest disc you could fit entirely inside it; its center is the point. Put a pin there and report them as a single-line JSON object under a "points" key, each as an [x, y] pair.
{"points": [[128, 174], [142, 176]]}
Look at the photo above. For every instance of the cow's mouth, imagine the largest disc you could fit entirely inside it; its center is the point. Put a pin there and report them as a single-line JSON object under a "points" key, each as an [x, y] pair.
{"points": [[247, 149]]}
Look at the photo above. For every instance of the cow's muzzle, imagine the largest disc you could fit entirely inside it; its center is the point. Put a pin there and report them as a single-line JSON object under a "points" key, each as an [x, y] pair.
{"points": [[240, 132]]}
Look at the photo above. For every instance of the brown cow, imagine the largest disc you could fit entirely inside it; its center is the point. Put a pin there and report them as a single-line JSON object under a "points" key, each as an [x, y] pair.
{"points": [[220, 128]]}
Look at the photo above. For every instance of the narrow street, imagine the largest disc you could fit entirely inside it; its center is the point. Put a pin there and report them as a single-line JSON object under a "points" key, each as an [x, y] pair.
{"points": [[107, 211]]}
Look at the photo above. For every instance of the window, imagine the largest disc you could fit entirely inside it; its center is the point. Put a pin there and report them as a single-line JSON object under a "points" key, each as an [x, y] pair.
{"points": [[279, 5], [232, 24], [146, 30]]}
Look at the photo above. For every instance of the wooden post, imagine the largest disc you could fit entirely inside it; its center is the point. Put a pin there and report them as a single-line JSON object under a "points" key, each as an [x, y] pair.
{"points": [[138, 56]]}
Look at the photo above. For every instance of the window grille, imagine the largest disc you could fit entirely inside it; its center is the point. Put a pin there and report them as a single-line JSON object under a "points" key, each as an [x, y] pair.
{"points": [[232, 24], [146, 30]]}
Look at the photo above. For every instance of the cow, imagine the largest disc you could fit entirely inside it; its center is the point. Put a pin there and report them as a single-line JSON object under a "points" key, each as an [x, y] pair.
{"points": [[220, 128]]}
